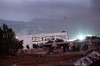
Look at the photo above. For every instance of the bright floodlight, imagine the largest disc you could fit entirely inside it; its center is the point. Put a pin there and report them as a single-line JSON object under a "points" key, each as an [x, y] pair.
{"points": [[81, 37], [89, 35], [16, 37]]}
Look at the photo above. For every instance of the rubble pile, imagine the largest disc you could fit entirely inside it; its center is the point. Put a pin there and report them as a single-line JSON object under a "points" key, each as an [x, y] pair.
{"points": [[88, 60]]}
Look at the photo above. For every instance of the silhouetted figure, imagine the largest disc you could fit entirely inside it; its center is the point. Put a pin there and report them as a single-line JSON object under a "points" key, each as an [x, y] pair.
{"points": [[50, 49], [65, 48], [74, 48], [27, 46]]}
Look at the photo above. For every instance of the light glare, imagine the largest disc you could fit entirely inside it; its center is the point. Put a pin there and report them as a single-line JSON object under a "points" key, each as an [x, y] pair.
{"points": [[81, 37]]}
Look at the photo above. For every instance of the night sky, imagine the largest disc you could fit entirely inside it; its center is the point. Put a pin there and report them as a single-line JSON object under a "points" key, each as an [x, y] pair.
{"points": [[84, 14]]}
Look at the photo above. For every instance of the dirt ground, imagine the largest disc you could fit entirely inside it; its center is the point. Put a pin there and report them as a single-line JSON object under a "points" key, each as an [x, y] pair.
{"points": [[40, 60]]}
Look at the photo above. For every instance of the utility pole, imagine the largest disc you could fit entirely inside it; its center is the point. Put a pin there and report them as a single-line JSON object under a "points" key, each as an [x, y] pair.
{"points": [[65, 25]]}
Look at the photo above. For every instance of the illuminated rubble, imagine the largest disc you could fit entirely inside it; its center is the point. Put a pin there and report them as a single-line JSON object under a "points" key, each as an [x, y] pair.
{"points": [[88, 59]]}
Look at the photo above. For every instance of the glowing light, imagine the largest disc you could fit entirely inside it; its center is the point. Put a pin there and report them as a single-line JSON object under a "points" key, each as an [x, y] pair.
{"points": [[16, 37], [89, 35], [81, 37], [71, 40]]}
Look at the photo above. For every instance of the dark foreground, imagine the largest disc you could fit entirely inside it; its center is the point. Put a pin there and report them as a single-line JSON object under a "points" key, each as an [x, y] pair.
{"points": [[37, 60], [41, 60]]}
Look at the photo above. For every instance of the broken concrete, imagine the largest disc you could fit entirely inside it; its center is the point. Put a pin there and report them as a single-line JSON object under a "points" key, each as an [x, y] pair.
{"points": [[88, 60]]}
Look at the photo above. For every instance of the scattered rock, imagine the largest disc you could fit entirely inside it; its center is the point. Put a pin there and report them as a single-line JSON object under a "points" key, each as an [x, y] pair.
{"points": [[88, 60]]}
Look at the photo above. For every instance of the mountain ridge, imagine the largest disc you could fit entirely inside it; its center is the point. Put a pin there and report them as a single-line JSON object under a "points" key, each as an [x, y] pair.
{"points": [[34, 26]]}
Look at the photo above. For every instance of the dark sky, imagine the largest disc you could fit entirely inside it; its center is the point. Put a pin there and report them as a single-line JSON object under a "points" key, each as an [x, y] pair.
{"points": [[25, 10], [84, 13]]}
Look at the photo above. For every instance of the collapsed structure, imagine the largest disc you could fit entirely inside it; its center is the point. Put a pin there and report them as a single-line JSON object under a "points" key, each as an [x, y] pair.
{"points": [[88, 60]]}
